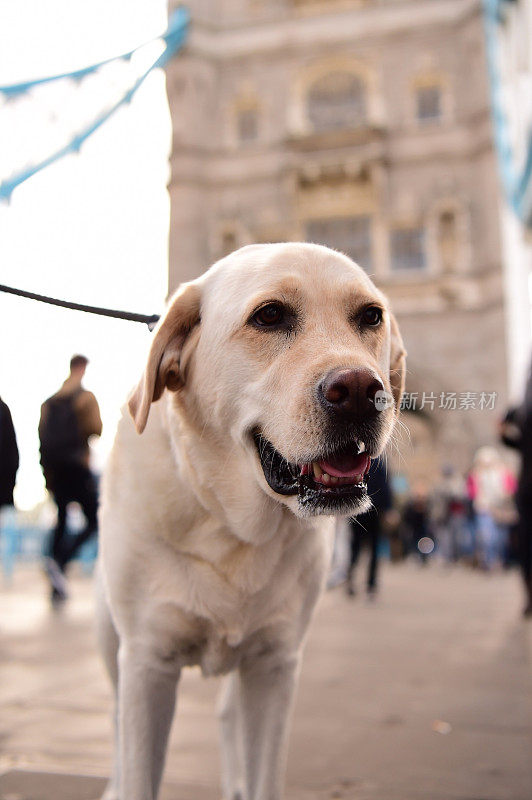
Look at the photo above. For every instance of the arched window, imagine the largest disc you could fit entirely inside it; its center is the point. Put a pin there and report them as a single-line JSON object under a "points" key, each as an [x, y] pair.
{"points": [[337, 100]]}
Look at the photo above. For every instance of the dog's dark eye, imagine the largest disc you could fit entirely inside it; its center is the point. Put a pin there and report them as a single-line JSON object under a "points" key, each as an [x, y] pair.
{"points": [[272, 315], [371, 316]]}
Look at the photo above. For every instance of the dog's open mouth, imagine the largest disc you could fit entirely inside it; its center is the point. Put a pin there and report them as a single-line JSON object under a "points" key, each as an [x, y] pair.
{"points": [[324, 485]]}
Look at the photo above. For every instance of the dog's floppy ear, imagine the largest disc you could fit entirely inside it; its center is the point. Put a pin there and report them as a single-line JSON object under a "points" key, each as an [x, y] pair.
{"points": [[397, 363], [163, 367]]}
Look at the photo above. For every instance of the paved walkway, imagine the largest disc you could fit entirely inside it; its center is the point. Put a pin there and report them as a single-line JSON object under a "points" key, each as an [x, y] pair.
{"points": [[423, 695]]}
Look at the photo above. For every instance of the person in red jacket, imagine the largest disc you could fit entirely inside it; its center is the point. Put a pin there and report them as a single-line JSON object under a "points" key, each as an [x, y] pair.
{"points": [[491, 488]]}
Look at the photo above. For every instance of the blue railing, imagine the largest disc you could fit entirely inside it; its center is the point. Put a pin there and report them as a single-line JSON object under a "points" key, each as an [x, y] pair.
{"points": [[21, 543]]}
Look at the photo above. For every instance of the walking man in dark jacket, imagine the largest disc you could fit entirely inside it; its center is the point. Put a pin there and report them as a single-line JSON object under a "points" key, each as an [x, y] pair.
{"points": [[68, 419]]}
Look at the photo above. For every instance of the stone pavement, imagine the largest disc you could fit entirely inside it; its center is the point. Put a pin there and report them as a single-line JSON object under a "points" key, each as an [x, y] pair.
{"points": [[422, 695]]}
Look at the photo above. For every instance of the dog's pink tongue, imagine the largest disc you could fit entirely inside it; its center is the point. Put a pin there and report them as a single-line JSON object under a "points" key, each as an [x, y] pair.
{"points": [[346, 465]]}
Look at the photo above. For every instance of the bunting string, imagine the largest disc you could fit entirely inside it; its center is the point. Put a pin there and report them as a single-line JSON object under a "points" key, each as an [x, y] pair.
{"points": [[174, 38]]}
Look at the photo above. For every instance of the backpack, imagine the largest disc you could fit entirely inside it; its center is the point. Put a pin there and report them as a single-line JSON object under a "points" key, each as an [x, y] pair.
{"points": [[59, 433]]}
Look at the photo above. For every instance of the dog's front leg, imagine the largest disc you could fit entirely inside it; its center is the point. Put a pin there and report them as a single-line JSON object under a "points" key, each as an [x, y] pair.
{"points": [[147, 689], [231, 739], [267, 688]]}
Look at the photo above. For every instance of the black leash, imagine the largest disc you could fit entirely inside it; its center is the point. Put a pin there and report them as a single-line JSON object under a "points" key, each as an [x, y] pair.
{"points": [[104, 312]]}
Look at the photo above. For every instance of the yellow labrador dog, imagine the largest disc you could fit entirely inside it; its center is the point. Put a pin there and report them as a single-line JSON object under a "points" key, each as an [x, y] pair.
{"points": [[271, 383]]}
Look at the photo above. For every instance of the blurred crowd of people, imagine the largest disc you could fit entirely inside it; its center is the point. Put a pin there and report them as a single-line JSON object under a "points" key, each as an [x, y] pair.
{"points": [[469, 518]]}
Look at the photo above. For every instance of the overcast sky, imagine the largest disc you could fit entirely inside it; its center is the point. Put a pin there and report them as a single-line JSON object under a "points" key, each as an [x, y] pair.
{"points": [[91, 228]]}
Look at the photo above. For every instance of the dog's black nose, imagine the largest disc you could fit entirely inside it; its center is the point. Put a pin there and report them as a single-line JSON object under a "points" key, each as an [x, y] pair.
{"points": [[350, 393]]}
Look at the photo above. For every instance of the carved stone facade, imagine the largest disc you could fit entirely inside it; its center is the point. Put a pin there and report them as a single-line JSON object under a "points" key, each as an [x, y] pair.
{"points": [[365, 125]]}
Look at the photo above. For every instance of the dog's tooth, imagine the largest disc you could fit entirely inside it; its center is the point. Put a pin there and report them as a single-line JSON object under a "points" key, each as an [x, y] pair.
{"points": [[317, 470], [325, 477], [361, 447], [333, 479]]}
